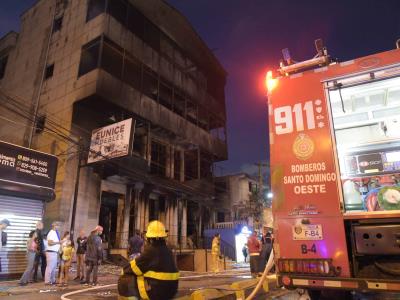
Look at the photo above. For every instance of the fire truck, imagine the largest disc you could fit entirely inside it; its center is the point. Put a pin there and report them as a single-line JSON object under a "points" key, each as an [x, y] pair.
{"points": [[334, 133]]}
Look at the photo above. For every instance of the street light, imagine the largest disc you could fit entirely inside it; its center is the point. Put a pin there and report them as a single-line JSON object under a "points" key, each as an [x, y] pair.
{"points": [[270, 195]]}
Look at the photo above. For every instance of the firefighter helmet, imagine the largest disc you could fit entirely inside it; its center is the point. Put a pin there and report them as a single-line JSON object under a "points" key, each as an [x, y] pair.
{"points": [[156, 229]]}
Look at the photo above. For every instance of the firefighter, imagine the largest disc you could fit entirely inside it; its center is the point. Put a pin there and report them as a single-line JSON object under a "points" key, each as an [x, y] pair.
{"points": [[153, 275], [216, 252]]}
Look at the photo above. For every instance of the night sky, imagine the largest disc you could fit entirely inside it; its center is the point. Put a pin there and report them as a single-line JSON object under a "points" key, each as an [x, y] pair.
{"points": [[247, 37]]}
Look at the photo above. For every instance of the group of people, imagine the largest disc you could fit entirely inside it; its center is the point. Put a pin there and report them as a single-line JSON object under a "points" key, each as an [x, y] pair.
{"points": [[51, 251], [259, 251]]}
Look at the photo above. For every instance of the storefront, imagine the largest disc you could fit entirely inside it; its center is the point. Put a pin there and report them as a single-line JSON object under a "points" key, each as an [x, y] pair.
{"points": [[27, 180]]}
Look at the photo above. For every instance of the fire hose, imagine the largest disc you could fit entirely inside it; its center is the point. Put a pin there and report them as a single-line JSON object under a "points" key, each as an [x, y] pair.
{"points": [[268, 267], [65, 296]]}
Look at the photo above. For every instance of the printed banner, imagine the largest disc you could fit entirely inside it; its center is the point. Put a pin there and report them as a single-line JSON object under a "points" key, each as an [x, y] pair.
{"points": [[110, 141]]}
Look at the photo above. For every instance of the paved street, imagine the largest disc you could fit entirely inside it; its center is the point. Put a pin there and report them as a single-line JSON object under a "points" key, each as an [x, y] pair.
{"points": [[189, 283]]}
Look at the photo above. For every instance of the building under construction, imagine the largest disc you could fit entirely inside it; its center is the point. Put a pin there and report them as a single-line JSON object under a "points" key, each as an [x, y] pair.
{"points": [[77, 67]]}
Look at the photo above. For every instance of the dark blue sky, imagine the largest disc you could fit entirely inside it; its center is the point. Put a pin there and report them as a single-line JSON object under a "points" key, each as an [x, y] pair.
{"points": [[248, 35]]}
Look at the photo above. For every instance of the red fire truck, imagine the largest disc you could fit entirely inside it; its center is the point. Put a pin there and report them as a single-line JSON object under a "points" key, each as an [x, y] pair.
{"points": [[335, 172]]}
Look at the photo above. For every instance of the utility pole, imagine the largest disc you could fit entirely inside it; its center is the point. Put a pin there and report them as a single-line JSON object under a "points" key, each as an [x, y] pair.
{"points": [[78, 171], [260, 178]]}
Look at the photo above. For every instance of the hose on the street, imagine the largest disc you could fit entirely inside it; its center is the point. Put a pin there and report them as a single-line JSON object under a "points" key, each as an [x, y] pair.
{"points": [[65, 296], [268, 267]]}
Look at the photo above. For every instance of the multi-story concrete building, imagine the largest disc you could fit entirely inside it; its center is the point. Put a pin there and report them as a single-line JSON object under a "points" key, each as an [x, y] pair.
{"points": [[237, 196], [79, 65]]}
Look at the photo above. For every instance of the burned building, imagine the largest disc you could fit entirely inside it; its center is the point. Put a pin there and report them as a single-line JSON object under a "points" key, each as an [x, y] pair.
{"points": [[77, 66]]}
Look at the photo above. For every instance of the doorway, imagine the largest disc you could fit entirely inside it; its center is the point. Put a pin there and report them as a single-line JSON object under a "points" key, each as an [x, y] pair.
{"points": [[108, 218]]}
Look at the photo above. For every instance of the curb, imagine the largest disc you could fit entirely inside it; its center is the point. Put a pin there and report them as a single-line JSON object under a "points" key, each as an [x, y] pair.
{"points": [[238, 290]]}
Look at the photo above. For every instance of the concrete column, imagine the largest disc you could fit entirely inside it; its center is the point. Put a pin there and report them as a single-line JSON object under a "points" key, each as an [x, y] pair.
{"points": [[182, 171], [129, 201], [168, 162], [184, 224], [172, 164], [175, 222]]}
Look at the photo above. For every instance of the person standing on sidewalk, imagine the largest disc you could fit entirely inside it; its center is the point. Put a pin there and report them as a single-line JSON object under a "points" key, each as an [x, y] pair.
{"points": [[135, 245], [254, 246], [53, 248], [67, 250], [31, 247], [94, 255], [3, 235], [40, 258], [216, 252], [80, 256]]}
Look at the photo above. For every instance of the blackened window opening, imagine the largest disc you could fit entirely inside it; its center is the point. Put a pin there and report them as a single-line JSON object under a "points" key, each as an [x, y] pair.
{"points": [[140, 139], [112, 58], [3, 65], [89, 57], [158, 159], [57, 24], [116, 61], [95, 8], [49, 71], [191, 165], [177, 165], [206, 164]]}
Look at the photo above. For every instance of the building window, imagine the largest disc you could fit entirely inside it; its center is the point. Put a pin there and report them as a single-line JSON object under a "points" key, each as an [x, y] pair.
{"points": [[57, 24], [206, 163], [179, 104], [158, 159], [3, 64], [177, 165], [220, 217], [132, 73], [95, 8], [49, 71], [165, 98], [191, 112], [221, 187], [40, 124], [140, 139], [135, 22], [89, 57], [118, 9], [151, 35], [191, 165], [150, 84], [112, 58], [203, 118]]}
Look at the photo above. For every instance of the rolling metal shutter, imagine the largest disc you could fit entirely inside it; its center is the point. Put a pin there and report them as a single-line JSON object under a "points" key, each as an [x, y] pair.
{"points": [[23, 214]]}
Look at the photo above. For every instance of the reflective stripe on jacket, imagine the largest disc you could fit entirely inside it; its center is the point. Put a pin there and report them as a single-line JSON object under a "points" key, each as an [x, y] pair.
{"points": [[157, 274]]}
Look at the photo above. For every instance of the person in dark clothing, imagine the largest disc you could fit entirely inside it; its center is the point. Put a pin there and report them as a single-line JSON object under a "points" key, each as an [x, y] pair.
{"points": [[3, 235], [244, 251], [94, 255], [81, 241], [153, 275], [266, 247], [135, 245], [40, 258]]}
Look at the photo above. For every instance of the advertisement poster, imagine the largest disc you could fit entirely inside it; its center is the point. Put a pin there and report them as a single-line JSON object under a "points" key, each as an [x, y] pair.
{"points": [[26, 166], [110, 141]]}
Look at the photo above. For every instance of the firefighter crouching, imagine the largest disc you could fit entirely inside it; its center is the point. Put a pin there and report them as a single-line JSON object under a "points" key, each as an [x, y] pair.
{"points": [[153, 275]]}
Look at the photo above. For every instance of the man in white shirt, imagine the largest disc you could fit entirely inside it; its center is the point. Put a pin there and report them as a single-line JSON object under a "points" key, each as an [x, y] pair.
{"points": [[53, 247]]}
